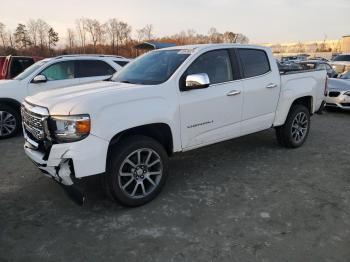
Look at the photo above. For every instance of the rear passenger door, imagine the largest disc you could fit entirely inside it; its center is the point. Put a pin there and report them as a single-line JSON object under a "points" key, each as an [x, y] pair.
{"points": [[261, 89], [93, 70]]}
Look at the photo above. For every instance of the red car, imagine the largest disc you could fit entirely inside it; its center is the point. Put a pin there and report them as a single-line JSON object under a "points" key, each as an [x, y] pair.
{"points": [[11, 66], [2, 61]]}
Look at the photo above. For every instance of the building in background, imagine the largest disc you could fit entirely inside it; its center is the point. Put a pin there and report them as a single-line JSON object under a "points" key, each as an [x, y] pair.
{"points": [[319, 48], [345, 45]]}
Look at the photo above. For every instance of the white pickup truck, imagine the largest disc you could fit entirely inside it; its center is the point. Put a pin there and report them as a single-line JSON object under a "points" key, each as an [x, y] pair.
{"points": [[166, 101]]}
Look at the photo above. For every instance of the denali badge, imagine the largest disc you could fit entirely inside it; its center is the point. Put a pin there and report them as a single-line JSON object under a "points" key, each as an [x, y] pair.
{"points": [[201, 124]]}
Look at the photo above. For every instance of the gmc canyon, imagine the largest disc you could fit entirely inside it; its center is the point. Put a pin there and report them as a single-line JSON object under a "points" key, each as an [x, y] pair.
{"points": [[166, 101]]}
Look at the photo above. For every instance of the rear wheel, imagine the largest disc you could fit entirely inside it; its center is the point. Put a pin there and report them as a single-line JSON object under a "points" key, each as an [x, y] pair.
{"points": [[137, 170], [296, 128], [10, 121]]}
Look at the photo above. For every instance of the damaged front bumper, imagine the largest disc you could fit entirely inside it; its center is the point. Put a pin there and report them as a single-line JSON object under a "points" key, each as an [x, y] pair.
{"points": [[68, 163], [58, 169]]}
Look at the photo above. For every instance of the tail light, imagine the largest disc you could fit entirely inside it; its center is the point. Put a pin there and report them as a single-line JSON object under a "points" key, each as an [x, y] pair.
{"points": [[326, 86]]}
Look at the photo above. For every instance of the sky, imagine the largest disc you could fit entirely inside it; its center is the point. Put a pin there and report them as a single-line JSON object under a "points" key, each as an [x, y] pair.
{"points": [[261, 20]]}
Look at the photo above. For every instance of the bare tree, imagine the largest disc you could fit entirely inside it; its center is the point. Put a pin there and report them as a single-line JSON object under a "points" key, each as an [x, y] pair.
{"points": [[148, 31], [33, 31], [230, 37], [241, 39], [139, 34], [215, 36], [101, 33], [10, 39], [3, 34], [43, 29], [145, 33], [124, 32], [80, 26], [112, 31], [71, 39], [93, 27]]}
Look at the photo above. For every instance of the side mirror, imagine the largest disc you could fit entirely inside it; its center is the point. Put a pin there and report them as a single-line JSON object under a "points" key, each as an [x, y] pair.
{"points": [[197, 81], [39, 79]]}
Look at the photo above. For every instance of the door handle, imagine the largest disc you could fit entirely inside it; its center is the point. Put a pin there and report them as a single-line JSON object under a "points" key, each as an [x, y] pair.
{"points": [[233, 93], [271, 85]]}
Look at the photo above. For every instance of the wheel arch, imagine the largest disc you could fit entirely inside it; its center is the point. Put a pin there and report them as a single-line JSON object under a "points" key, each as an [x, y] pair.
{"points": [[11, 102], [284, 108], [306, 101], [161, 132]]}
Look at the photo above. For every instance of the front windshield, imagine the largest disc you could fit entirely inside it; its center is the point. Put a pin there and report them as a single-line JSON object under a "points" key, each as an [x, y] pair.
{"points": [[342, 58], [31, 69], [153, 68]]}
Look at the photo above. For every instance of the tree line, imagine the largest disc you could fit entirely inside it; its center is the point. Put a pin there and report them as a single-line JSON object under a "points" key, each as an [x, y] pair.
{"points": [[114, 36], [36, 38]]}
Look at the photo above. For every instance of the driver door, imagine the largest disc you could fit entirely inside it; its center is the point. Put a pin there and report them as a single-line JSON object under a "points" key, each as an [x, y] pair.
{"points": [[214, 113], [58, 75]]}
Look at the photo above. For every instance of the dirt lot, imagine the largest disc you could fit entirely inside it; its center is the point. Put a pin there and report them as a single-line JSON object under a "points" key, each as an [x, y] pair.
{"points": [[242, 200]]}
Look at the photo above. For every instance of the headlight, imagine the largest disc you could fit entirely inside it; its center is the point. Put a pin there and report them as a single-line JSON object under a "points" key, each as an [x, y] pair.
{"points": [[70, 128]]}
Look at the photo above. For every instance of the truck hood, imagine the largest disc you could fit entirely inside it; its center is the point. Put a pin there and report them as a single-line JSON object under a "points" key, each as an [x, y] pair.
{"points": [[338, 84], [63, 100]]}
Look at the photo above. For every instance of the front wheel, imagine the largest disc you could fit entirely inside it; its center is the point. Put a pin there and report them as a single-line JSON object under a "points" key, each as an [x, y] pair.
{"points": [[136, 171], [296, 128]]}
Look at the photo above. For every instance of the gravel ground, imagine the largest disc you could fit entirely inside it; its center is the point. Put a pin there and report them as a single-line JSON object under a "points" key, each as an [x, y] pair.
{"points": [[243, 200]]}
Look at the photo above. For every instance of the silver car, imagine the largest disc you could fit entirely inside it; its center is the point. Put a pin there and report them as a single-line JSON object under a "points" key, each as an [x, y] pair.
{"points": [[338, 94]]}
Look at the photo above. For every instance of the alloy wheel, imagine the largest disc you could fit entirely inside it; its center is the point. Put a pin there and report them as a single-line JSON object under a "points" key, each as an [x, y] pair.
{"points": [[140, 173], [299, 127]]}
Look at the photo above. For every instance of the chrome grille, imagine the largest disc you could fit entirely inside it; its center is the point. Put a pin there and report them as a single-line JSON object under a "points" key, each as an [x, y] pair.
{"points": [[33, 123]]}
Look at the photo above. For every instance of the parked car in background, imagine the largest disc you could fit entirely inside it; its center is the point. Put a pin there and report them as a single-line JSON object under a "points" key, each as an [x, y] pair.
{"points": [[49, 74], [338, 94], [287, 67], [293, 59], [166, 101], [14, 65], [318, 64], [318, 58], [341, 63]]}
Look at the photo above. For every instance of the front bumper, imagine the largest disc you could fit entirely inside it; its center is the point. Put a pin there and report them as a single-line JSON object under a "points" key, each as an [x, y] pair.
{"points": [[341, 101], [69, 161]]}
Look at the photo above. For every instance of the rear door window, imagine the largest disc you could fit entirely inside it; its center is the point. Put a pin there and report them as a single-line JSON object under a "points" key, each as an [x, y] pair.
{"points": [[254, 62], [90, 68]]}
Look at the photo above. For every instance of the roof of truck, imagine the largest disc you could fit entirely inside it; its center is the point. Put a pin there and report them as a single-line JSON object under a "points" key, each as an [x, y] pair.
{"points": [[208, 46]]}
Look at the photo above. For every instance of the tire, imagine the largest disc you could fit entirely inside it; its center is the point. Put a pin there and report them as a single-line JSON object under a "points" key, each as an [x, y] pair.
{"points": [[10, 121], [296, 129], [137, 169]]}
